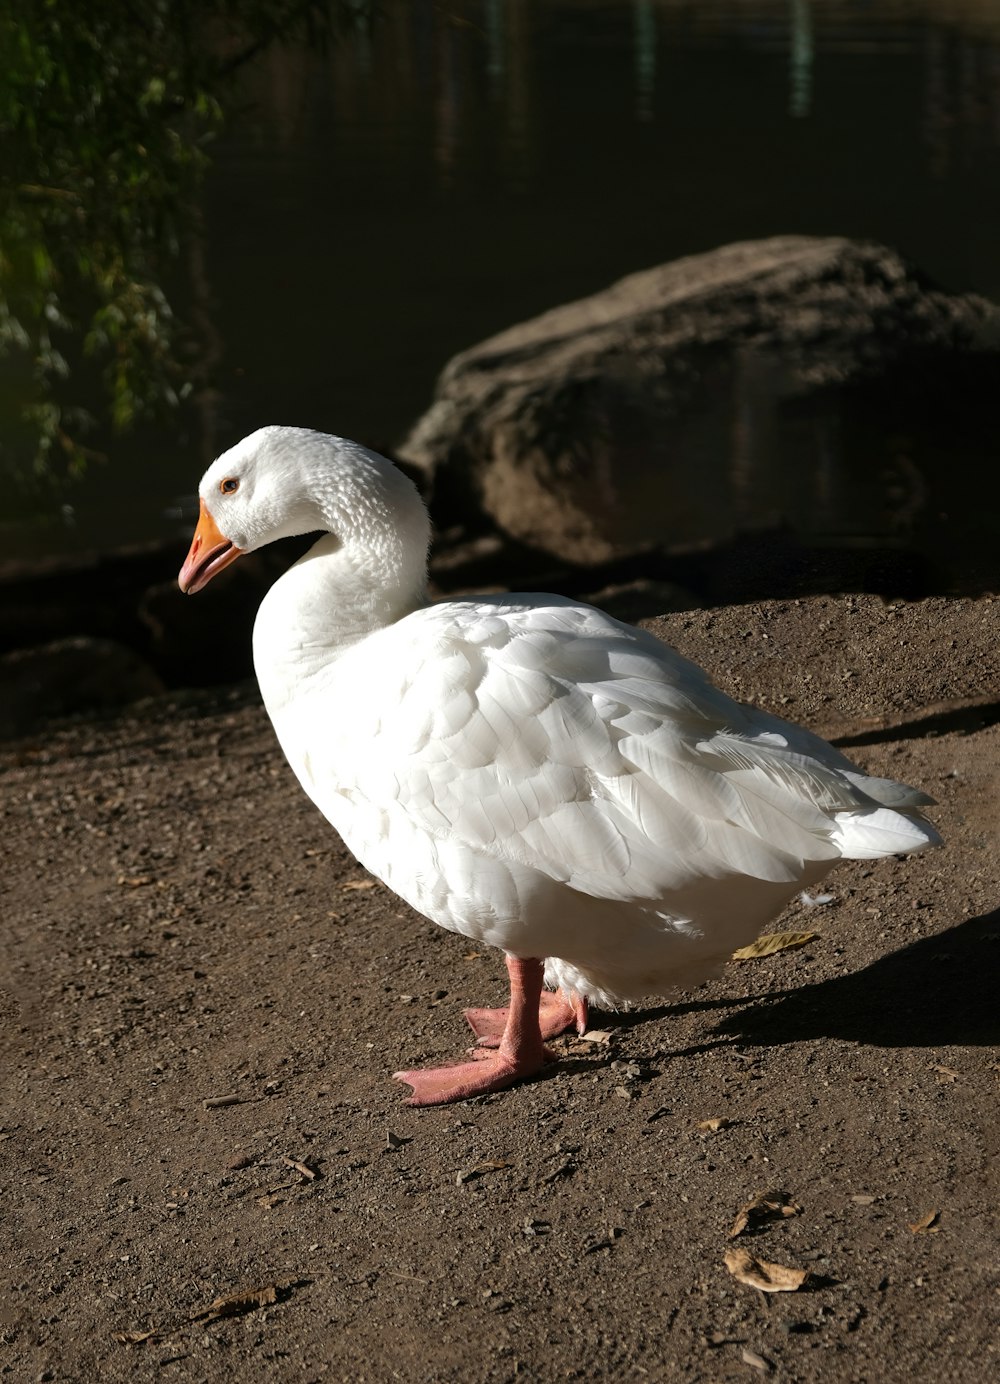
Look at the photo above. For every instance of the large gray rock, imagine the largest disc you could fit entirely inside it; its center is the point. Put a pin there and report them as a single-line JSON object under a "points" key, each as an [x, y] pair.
{"points": [[818, 384]]}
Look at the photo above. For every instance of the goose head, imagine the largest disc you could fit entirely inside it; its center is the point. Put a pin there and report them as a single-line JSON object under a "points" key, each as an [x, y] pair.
{"points": [[280, 482]]}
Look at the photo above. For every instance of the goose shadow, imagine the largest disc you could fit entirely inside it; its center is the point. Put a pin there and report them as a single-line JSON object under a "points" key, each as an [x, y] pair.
{"points": [[938, 991]]}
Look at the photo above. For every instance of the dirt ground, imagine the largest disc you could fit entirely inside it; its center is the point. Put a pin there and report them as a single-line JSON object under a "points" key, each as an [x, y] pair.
{"points": [[179, 926]]}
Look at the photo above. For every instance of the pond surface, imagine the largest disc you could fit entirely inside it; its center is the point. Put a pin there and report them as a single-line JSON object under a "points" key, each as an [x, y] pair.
{"points": [[463, 166]]}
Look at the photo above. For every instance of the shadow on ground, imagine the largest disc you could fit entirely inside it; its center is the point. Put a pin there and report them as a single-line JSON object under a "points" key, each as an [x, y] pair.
{"points": [[938, 991]]}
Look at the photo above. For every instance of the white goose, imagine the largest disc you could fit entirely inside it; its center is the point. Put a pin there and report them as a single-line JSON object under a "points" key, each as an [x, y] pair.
{"points": [[524, 770]]}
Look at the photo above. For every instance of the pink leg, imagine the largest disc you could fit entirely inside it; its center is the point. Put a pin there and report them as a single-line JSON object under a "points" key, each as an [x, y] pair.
{"points": [[521, 1052], [556, 1013]]}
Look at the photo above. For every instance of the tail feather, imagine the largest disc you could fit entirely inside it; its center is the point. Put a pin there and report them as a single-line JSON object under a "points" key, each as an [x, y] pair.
{"points": [[887, 791], [882, 831]]}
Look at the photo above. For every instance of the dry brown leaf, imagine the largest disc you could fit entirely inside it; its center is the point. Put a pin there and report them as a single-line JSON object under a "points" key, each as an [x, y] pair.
{"points": [[772, 942], [358, 884], [758, 1273], [764, 1207], [945, 1073], [232, 1304], [926, 1225], [136, 1338], [595, 1035], [713, 1125], [135, 881], [755, 1361], [273, 1195], [229, 1305]]}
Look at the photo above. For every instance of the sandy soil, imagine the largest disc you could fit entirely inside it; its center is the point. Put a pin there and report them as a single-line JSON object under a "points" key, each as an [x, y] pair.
{"points": [[180, 926]]}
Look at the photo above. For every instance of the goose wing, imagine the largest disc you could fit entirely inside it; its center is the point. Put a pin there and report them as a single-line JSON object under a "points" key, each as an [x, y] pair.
{"points": [[550, 734]]}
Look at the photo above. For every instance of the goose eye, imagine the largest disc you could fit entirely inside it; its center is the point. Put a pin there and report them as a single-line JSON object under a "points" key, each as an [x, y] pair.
{"points": [[230, 484]]}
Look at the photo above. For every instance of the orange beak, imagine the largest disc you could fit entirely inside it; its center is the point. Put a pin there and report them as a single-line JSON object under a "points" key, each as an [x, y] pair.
{"points": [[210, 551]]}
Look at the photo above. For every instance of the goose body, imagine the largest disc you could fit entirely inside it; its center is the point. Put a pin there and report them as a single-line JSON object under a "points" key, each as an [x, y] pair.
{"points": [[524, 770]]}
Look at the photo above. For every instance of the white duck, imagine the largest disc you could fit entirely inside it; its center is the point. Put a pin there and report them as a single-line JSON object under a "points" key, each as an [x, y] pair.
{"points": [[524, 770]]}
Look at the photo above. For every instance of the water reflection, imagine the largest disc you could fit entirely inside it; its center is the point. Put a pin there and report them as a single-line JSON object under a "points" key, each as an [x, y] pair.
{"points": [[800, 59], [645, 58], [459, 165]]}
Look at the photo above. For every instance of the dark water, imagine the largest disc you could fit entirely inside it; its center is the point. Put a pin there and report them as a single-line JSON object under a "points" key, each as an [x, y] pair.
{"points": [[463, 166]]}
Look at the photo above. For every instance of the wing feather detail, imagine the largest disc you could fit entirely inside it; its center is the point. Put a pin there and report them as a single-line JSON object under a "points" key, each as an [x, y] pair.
{"points": [[553, 736]]}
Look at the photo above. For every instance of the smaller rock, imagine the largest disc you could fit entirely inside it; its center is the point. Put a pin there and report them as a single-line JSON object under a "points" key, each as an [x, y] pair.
{"points": [[67, 676]]}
